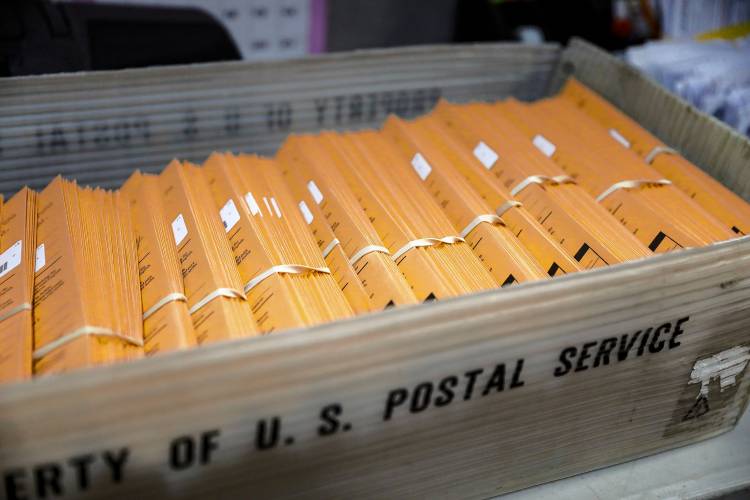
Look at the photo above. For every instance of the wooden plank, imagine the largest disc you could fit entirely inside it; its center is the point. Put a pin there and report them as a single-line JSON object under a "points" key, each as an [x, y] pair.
{"points": [[98, 127], [420, 389], [476, 445]]}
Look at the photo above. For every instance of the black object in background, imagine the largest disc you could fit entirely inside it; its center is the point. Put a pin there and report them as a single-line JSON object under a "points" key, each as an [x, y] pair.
{"points": [[354, 24], [488, 20], [361, 24], [39, 37]]}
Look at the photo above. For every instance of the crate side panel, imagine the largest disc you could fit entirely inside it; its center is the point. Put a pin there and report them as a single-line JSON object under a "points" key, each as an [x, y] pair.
{"points": [[386, 404], [715, 147], [98, 127]]}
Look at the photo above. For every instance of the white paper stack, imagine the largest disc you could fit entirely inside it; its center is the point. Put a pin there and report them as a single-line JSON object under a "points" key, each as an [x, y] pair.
{"points": [[713, 75]]}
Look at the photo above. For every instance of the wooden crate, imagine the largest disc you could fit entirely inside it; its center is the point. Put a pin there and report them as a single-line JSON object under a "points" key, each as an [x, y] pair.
{"points": [[469, 397]]}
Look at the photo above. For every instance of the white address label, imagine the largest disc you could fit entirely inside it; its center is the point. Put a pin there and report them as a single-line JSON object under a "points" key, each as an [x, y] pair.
{"points": [[315, 192], [544, 145], [179, 229], [276, 207], [11, 258], [485, 154], [619, 138], [229, 215], [40, 259], [306, 213], [421, 166], [252, 204]]}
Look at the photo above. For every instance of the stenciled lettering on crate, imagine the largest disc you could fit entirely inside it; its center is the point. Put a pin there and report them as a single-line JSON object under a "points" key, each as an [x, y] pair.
{"points": [[110, 124], [282, 116], [111, 469]]}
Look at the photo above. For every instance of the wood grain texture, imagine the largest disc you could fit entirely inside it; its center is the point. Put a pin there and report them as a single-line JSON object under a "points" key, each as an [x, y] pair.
{"points": [[547, 428], [98, 127]]}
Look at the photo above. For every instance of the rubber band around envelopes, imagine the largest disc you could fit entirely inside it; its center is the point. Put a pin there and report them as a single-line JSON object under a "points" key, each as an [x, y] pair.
{"points": [[657, 151], [541, 179], [426, 242], [219, 292], [19, 308], [172, 297], [284, 269], [631, 184], [80, 332], [365, 250], [330, 247], [507, 206], [479, 219]]}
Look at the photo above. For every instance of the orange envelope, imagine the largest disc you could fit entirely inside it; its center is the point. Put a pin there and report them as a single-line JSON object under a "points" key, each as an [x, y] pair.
{"points": [[346, 276], [285, 277], [502, 158], [85, 246], [305, 168], [706, 191], [166, 321], [17, 244], [657, 213], [213, 286], [486, 232], [436, 261]]}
